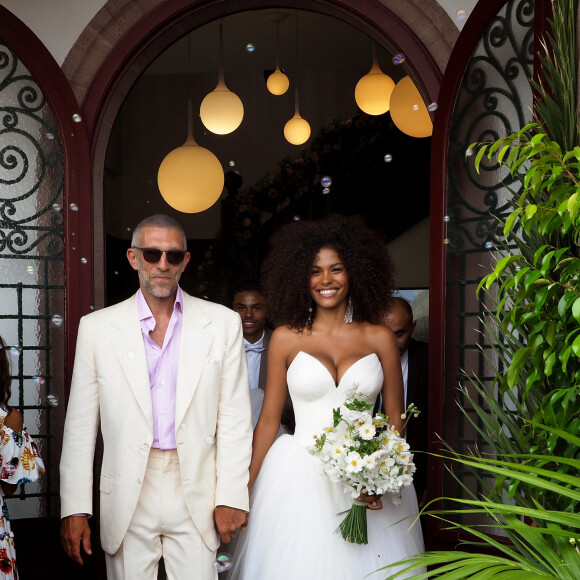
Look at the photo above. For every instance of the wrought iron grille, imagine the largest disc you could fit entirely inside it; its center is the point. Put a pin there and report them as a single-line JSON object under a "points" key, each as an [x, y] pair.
{"points": [[495, 99], [32, 269]]}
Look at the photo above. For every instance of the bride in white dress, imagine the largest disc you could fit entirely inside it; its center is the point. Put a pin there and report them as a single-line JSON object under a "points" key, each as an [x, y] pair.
{"points": [[327, 282]]}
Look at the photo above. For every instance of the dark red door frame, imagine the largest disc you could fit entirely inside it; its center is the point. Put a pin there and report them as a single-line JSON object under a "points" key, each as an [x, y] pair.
{"points": [[461, 55], [77, 184]]}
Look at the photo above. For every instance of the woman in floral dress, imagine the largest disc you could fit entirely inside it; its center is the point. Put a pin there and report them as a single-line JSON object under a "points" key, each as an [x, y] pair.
{"points": [[19, 463]]}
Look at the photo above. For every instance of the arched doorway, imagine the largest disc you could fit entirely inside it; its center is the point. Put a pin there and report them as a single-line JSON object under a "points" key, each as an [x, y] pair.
{"points": [[423, 33]]}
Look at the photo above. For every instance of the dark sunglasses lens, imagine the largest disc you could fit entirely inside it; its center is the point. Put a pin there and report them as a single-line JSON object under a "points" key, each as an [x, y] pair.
{"points": [[175, 256], [152, 255]]}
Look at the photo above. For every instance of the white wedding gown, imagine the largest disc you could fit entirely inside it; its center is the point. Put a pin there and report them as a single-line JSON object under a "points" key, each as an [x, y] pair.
{"points": [[294, 506]]}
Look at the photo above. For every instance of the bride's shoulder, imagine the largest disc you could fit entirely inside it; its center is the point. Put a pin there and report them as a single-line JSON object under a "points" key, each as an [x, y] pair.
{"points": [[283, 336]]}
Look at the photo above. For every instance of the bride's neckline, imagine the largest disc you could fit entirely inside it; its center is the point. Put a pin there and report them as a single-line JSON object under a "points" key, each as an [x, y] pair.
{"points": [[336, 384]]}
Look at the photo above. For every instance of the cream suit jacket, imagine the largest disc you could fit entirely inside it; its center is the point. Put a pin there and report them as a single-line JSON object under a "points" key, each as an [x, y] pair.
{"points": [[212, 417]]}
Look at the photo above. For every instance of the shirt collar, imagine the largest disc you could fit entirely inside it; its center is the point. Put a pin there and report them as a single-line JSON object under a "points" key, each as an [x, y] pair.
{"points": [[145, 312], [259, 342]]}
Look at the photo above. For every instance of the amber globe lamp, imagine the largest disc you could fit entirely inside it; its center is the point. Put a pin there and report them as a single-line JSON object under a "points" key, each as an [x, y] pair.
{"points": [[221, 111], [373, 91], [408, 110], [297, 130], [190, 178], [278, 82]]}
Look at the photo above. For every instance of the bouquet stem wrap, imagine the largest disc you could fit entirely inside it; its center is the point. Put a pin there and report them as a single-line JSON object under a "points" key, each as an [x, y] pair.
{"points": [[354, 526]]}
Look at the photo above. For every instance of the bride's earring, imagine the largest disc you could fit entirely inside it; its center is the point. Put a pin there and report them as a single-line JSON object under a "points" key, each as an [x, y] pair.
{"points": [[348, 313], [309, 319]]}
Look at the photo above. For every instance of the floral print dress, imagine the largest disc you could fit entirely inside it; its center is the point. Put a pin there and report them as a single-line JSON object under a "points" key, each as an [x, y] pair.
{"points": [[19, 463]]}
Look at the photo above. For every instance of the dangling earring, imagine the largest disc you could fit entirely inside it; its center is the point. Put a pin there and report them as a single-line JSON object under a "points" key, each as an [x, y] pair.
{"points": [[348, 313], [309, 319]]}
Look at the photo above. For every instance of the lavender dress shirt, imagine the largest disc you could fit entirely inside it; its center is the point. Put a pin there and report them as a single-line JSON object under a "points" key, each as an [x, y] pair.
{"points": [[162, 363]]}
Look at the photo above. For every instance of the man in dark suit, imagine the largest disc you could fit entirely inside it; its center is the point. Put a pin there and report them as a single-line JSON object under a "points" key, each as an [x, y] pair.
{"points": [[250, 303], [414, 364]]}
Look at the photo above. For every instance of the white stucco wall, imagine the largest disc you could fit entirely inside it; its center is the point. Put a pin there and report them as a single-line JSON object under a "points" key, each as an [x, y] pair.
{"points": [[58, 23]]}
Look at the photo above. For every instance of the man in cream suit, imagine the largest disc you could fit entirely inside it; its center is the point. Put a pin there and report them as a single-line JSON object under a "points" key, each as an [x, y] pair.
{"points": [[166, 375]]}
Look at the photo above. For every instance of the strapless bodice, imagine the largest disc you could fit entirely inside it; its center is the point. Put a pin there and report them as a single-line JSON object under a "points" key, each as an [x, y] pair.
{"points": [[315, 394]]}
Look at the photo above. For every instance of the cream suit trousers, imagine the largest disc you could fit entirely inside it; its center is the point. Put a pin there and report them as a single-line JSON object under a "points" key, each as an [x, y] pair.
{"points": [[162, 526]]}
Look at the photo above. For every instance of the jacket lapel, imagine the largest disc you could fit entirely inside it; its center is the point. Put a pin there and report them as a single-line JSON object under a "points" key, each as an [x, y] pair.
{"points": [[128, 346], [196, 342]]}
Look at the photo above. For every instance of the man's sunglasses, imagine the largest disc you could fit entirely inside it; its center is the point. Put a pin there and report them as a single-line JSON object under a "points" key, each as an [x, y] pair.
{"points": [[153, 255]]}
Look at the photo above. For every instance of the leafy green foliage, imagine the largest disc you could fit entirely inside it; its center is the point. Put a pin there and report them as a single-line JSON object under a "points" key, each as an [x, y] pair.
{"points": [[544, 542]]}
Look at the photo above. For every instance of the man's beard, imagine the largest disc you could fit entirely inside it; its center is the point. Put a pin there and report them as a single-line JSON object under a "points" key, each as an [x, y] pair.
{"points": [[157, 290]]}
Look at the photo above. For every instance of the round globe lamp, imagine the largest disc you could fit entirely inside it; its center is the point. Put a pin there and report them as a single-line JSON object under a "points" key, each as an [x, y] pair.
{"points": [[190, 178], [277, 82], [408, 110], [221, 111], [373, 91], [297, 130]]}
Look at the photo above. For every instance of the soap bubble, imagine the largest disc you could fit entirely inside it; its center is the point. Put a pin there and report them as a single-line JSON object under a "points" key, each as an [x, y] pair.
{"points": [[461, 14], [326, 191], [50, 136], [14, 350], [250, 47], [447, 218], [74, 207], [432, 107], [77, 118], [469, 153], [38, 380], [326, 181], [488, 245], [30, 270], [399, 58], [84, 260], [296, 218], [57, 320], [52, 400], [56, 207], [388, 158], [223, 562], [232, 163]]}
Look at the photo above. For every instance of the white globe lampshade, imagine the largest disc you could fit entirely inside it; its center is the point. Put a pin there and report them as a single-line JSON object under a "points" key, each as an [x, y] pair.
{"points": [[221, 111], [297, 130], [373, 92], [408, 110], [190, 178], [277, 82]]}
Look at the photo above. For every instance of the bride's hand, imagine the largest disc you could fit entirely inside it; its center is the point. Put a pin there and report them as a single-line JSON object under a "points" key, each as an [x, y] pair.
{"points": [[374, 502]]}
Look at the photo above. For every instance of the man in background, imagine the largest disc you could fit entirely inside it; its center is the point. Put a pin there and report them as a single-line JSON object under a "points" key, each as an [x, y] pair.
{"points": [[250, 303], [415, 368]]}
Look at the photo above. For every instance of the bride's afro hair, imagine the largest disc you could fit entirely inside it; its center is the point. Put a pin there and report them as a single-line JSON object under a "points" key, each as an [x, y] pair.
{"points": [[293, 249]]}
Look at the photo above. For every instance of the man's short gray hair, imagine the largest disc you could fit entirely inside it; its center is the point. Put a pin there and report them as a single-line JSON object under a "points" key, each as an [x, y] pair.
{"points": [[159, 220]]}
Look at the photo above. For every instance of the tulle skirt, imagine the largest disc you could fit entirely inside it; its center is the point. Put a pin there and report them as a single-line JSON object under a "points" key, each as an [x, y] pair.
{"points": [[291, 533]]}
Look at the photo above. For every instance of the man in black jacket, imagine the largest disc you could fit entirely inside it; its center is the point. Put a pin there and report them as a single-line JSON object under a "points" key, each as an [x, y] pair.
{"points": [[415, 367]]}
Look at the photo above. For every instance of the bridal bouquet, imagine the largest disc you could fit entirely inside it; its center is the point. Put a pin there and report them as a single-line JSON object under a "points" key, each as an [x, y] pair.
{"points": [[368, 456]]}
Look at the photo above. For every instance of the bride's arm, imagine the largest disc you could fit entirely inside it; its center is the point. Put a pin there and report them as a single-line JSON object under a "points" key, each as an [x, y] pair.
{"points": [[393, 390], [274, 398]]}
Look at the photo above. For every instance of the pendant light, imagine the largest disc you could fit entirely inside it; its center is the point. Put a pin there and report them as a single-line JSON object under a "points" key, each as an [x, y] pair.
{"points": [[297, 129], [190, 178], [408, 110], [373, 91], [278, 82], [221, 111]]}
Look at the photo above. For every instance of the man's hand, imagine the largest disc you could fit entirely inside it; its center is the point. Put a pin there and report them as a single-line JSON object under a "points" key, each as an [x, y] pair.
{"points": [[228, 520], [74, 531]]}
